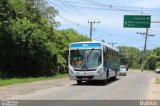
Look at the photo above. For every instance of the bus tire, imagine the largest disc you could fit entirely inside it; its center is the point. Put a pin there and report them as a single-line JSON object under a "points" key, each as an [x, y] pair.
{"points": [[115, 77], [79, 82], [107, 74], [104, 81]]}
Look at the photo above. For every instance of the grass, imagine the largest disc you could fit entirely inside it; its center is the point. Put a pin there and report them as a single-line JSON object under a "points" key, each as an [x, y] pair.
{"points": [[157, 80], [5, 82], [139, 70]]}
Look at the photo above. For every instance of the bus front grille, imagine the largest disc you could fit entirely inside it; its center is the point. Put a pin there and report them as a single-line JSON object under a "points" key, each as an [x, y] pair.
{"points": [[85, 69]]}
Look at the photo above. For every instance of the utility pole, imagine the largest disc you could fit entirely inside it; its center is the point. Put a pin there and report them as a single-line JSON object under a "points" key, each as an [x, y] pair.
{"points": [[91, 26], [112, 44], [146, 35], [145, 44]]}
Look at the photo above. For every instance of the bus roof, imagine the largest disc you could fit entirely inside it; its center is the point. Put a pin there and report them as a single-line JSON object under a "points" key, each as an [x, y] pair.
{"points": [[96, 42], [109, 46]]}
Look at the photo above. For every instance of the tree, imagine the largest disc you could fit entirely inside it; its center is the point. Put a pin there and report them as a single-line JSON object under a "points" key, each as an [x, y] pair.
{"points": [[29, 43], [157, 53], [6, 43], [130, 56], [123, 55], [151, 62], [26, 43], [47, 11]]}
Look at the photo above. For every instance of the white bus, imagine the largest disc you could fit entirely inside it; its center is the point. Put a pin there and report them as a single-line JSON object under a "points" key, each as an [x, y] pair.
{"points": [[92, 61]]}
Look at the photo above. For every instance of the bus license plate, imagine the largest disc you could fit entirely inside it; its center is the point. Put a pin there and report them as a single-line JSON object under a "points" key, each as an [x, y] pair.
{"points": [[84, 78]]}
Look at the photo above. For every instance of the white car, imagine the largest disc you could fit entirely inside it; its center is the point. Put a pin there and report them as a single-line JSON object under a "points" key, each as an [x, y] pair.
{"points": [[157, 70], [122, 70]]}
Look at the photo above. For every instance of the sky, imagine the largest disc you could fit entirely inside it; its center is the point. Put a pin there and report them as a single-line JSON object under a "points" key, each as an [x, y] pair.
{"points": [[76, 14]]}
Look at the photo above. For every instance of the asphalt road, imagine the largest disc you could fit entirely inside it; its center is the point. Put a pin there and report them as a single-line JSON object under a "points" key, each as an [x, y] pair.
{"points": [[134, 86]]}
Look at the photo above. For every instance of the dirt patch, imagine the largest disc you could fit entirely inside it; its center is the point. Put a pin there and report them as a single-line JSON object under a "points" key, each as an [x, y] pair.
{"points": [[20, 89], [154, 90]]}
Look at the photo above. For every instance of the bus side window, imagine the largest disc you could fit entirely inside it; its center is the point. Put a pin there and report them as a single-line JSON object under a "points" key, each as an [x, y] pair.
{"points": [[106, 59], [104, 56], [107, 54]]}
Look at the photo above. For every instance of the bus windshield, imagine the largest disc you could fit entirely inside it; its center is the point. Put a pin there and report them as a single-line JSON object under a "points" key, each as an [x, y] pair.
{"points": [[85, 58]]}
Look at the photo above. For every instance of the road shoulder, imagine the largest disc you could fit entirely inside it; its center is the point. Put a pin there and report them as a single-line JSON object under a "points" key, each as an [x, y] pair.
{"points": [[21, 89], [154, 90]]}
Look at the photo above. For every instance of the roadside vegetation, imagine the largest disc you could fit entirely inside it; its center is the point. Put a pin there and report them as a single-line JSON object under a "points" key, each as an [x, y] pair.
{"points": [[133, 58], [139, 70], [31, 45], [5, 82], [157, 80]]}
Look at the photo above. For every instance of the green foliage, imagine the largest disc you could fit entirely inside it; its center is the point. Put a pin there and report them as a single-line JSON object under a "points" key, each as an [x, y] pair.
{"points": [[29, 43], [133, 57], [158, 64], [157, 51], [47, 11], [130, 56], [12, 81], [151, 62]]}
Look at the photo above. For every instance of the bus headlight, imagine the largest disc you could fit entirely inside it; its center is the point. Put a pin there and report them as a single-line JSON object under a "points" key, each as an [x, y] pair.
{"points": [[70, 71], [100, 70]]}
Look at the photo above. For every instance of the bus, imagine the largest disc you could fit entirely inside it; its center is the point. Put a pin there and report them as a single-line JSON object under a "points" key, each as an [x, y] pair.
{"points": [[92, 61]]}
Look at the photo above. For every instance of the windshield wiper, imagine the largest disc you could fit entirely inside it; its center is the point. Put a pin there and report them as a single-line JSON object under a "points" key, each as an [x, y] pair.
{"points": [[90, 52]]}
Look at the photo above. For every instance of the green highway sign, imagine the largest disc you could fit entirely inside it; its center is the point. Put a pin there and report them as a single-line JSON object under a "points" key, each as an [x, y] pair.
{"points": [[137, 21]]}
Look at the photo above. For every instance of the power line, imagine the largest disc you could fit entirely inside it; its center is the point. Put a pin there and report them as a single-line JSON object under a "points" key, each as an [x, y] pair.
{"points": [[109, 9], [78, 11], [91, 2], [71, 7], [62, 8], [77, 15], [97, 3], [65, 19], [102, 6], [121, 8], [76, 2]]}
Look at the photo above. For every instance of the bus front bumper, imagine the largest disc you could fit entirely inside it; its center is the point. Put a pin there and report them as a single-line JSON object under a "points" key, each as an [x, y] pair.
{"points": [[87, 76]]}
